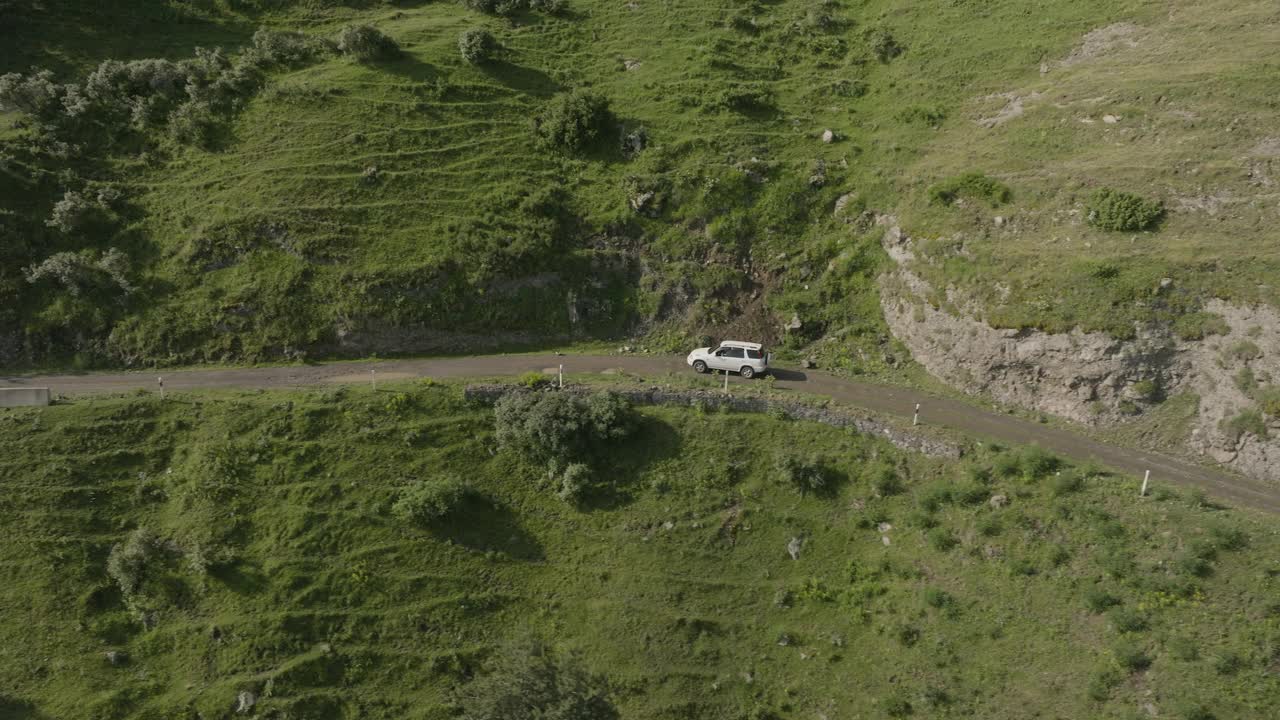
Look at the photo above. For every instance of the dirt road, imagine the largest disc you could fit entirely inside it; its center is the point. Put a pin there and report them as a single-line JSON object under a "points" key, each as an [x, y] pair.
{"points": [[1230, 488]]}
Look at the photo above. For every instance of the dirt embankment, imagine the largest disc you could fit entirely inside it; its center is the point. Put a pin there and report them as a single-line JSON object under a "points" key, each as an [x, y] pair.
{"points": [[1093, 378]]}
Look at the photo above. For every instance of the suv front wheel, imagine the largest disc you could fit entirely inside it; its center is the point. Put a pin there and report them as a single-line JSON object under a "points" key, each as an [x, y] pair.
{"points": [[699, 366], [747, 372]]}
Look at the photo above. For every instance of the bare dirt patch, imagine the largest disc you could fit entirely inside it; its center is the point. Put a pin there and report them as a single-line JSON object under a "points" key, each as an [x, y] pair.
{"points": [[1103, 41], [1014, 107]]}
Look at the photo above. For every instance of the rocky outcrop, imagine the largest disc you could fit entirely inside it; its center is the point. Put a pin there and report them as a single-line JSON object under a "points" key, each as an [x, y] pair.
{"points": [[1090, 378], [838, 417]]}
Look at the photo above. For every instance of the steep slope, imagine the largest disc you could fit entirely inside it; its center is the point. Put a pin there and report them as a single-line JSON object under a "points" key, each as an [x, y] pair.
{"points": [[186, 557]]}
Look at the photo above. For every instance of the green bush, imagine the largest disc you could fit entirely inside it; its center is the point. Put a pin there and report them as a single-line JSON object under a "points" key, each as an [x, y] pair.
{"points": [[742, 98], [560, 428], [1099, 600], [973, 185], [1269, 400], [575, 482], [574, 121], [1243, 352], [429, 500], [804, 473], [533, 380], [366, 43], [1228, 662], [1131, 657], [1200, 325], [477, 45], [942, 540], [1121, 211], [286, 49], [128, 561], [528, 682], [885, 481], [1066, 483], [1146, 389], [884, 46], [1125, 620], [1036, 462], [1246, 421]]}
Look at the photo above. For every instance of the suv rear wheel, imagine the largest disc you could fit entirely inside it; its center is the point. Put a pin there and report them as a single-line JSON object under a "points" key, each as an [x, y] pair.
{"points": [[747, 372], [699, 366]]}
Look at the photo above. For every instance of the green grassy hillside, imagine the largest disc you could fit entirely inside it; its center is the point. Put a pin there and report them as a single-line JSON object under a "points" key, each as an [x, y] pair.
{"points": [[258, 547], [330, 205]]}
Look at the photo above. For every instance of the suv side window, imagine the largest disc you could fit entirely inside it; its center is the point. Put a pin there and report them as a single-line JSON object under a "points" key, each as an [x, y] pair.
{"points": [[754, 354], [732, 352]]}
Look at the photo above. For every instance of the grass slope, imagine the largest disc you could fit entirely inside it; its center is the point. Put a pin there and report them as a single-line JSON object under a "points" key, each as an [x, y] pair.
{"points": [[283, 573], [405, 205]]}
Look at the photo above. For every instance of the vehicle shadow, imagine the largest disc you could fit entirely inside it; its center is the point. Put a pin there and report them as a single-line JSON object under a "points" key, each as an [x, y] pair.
{"points": [[788, 375]]}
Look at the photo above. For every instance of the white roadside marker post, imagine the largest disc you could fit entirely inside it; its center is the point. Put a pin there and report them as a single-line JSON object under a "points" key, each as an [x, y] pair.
{"points": [[373, 379], [160, 380], [726, 382], [915, 419], [1145, 478], [561, 376]]}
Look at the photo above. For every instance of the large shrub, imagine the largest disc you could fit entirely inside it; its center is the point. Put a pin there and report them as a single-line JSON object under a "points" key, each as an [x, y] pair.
{"points": [[285, 48], [804, 473], [79, 273], [429, 500], [558, 428], [1117, 210], [128, 561], [528, 682], [477, 45], [574, 121], [365, 43]]}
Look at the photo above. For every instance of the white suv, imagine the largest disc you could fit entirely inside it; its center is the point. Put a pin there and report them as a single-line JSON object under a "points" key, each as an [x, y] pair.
{"points": [[747, 359]]}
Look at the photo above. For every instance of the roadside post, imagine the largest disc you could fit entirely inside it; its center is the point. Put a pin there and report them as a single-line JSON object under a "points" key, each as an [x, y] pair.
{"points": [[915, 419], [373, 379], [160, 380], [726, 382], [1145, 478], [561, 377]]}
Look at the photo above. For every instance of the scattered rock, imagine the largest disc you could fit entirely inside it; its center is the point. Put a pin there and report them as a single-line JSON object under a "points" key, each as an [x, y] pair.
{"points": [[795, 323], [784, 639], [843, 202], [117, 657], [630, 65], [626, 349], [641, 203], [885, 539], [634, 142], [668, 525], [998, 501], [828, 136], [884, 527], [370, 175], [999, 221], [245, 701], [1166, 283], [794, 546], [819, 176], [1111, 119], [808, 364], [991, 552]]}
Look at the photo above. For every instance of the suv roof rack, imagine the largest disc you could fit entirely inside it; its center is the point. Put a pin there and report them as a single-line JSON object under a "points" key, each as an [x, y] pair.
{"points": [[741, 344]]}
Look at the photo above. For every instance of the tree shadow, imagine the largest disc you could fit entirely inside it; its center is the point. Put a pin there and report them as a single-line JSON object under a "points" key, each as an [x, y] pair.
{"points": [[625, 461], [788, 375], [479, 523], [523, 79], [12, 709], [409, 67], [241, 577]]}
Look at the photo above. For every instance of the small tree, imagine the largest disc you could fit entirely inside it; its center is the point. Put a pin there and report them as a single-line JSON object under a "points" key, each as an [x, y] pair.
{"points": [[556, 428], [429, 500], [528, 682], [574, 121], [477, 45], [1121, 211], [365, 43]]}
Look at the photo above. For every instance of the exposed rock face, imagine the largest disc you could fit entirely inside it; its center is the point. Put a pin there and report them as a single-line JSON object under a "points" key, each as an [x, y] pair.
{"points": [[1091, 378]]}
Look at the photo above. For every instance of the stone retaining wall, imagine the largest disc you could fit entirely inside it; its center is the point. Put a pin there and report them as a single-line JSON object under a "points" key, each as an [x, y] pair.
{"points": [[836, 417]]}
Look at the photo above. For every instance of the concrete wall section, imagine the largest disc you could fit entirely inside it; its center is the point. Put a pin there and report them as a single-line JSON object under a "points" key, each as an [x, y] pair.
{"points": [[23, 396]]}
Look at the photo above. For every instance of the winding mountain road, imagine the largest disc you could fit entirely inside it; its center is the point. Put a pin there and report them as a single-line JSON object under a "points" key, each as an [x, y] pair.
{"points": [[1230, 488]]}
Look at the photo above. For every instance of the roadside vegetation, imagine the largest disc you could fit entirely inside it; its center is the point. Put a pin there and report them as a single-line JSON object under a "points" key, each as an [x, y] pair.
{"points": [[405, 554]]}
